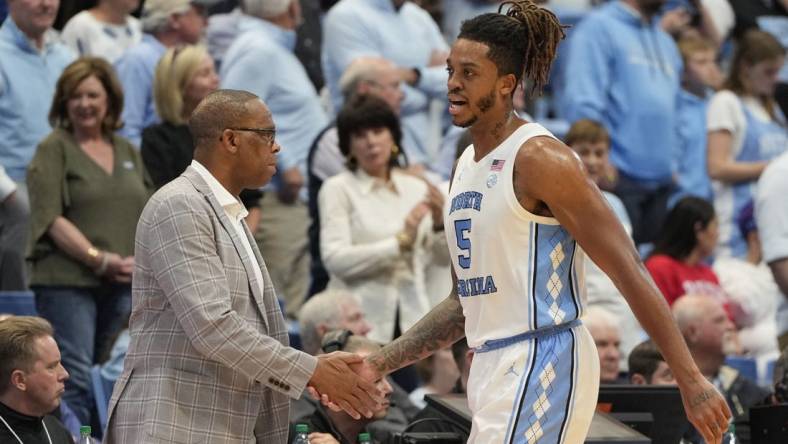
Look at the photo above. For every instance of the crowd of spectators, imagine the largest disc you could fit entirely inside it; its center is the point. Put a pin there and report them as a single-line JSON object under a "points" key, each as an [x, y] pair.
{"points": [[677, 109]]}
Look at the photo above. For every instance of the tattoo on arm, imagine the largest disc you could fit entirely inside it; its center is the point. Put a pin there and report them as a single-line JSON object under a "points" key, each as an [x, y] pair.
{"points": [[442, 326]]}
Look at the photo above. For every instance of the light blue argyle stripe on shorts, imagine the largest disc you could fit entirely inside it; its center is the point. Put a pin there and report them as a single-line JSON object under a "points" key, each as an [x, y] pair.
{"points": [[543, 408]]}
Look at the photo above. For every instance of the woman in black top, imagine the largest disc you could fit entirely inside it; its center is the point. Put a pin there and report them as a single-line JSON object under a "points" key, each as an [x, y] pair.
{"points": [[184, 76]]}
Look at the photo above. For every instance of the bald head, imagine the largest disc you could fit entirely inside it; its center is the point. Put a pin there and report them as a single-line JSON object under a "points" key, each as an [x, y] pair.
{"points": [[706, 328], [692, 308], [597, 317], [363, 69], [603, 327], [372, 75], [223, 108]]}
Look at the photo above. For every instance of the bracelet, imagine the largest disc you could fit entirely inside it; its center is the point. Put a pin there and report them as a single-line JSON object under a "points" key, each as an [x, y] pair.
{"points": [[104, 262], [93, 255], [405, 241]]}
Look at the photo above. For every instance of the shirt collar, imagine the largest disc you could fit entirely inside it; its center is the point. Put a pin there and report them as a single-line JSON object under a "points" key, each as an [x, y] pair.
{"points": [[282, 36], [230, 204], [368, 184], [22, 41]]}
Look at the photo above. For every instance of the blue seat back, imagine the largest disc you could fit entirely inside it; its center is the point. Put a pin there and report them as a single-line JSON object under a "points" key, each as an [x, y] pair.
{"points": [[18, 303], [747, 367]]}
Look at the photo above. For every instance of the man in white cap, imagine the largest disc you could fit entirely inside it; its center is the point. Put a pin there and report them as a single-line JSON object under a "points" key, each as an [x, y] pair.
{"points": [[165, 23]]}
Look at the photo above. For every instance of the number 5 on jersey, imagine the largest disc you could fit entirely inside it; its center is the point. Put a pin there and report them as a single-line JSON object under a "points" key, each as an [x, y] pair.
{"points": [[461, 229]]}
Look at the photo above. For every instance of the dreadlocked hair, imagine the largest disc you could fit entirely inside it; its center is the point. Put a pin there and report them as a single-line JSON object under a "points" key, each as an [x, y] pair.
{"points": [[522, 40]]}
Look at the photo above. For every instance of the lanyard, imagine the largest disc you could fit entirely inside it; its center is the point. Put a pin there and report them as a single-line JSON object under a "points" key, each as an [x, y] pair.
{"points": [[17, 436]]}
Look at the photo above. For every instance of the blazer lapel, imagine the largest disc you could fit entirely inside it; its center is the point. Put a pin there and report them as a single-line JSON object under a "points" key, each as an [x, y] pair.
{"points": [[198, 182]]}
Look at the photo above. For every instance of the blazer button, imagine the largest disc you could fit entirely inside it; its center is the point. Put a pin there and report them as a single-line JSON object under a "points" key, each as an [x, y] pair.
{"points": [[286, 387]]}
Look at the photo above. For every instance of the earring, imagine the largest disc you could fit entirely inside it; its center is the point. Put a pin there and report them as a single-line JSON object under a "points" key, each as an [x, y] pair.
{"points": [[394, 149]]}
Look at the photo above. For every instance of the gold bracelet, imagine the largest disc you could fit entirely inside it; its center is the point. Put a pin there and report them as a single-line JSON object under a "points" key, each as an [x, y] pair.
{"points": [[405, 241], [93, 254]]}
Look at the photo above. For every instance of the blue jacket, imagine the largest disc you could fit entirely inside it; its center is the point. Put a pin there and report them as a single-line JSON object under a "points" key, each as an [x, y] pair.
{"points": [[626, 75], [693, 177], [261, 61], [136, 69]]}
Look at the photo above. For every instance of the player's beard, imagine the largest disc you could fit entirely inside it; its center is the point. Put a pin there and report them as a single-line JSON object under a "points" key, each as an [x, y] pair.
{"points": [[483, 105]]}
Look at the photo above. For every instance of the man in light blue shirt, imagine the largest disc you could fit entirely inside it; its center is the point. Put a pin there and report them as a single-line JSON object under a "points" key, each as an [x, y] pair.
{"points": [[31, 61], [165, 23], [623, 71], [403, 33], [261, 60]]}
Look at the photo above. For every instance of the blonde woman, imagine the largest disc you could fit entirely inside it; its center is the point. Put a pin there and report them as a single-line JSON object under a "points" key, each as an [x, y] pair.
{"points": [[184, 76]]}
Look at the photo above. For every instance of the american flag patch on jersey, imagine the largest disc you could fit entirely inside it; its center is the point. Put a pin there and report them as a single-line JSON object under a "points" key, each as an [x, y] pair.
{"points": [[497, 165]]}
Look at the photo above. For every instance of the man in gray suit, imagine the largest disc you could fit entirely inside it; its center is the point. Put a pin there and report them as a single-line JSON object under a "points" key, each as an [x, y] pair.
{"points": [[209, 359]]}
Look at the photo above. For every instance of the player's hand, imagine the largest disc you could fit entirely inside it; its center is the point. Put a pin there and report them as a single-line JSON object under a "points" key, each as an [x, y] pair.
{"points": [[323, 399], [335, 377], [364, 369], [706, 409], [322, 438]]}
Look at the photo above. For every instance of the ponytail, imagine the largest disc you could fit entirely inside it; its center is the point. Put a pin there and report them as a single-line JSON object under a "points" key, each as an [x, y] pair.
{"points": [[543, 33]]}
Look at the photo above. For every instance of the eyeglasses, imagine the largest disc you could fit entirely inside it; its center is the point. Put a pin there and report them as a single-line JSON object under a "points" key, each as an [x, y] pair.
{"points": [[269, 132], [335, 340]]}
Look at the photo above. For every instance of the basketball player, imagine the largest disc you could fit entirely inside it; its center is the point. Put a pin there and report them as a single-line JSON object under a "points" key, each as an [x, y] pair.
{"points": [[521, 213]]}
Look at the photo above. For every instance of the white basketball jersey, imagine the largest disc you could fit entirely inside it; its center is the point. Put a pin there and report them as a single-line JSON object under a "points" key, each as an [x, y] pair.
{"points": [[516, 271]]}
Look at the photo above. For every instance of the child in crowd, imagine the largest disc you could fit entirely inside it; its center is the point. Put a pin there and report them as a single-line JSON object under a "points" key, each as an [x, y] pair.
{"points": [[746, 130], [591, 142], [701, 76]]}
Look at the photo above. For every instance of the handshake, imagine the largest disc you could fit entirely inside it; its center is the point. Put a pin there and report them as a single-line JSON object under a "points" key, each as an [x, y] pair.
{"points": [[346, 381]]}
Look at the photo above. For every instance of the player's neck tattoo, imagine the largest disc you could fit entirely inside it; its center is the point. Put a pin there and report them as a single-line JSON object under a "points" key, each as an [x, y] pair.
{"points": [[498, 129]]}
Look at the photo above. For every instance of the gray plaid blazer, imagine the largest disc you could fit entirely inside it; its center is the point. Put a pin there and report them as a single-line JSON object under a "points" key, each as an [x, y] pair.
{"points": [[209, 359]]}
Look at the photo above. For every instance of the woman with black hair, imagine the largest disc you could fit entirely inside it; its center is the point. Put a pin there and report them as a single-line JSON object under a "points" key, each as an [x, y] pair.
{"points": [[380, 226], [686, 240]]}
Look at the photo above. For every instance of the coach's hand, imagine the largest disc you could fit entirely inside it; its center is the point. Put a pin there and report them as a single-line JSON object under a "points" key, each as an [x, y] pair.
{"points": [[336, 380], [706, 409]]}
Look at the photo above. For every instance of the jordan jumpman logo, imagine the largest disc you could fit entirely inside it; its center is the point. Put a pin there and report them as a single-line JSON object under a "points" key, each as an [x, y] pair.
{"points": [[511, 370]]}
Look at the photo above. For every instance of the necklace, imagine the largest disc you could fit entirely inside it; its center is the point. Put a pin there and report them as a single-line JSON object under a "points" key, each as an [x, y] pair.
{"points": [[49, 438]]}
